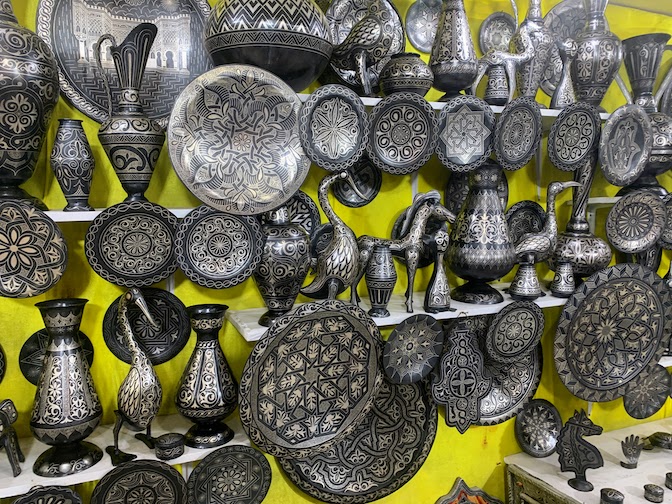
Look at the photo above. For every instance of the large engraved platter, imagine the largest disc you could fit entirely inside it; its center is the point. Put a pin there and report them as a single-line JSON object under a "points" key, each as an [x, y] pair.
{"points": [[230, 475], [518, 133], [233, 138], [141, 481], [334, 127], [465, 134], [625, 145], [218, 250], [574, 136], [636, 222], [380, 456], [160, 342], [615, 326], [132, 244], [311, 380], [402, 134], [33, 252], [72, 27]]}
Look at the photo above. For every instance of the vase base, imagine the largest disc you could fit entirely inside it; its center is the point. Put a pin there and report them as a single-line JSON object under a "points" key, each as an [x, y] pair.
{"points": [[119, 457], [210, 436], [64, 460], [477, 293], [78, 207], [379, 312], [15, 193]]}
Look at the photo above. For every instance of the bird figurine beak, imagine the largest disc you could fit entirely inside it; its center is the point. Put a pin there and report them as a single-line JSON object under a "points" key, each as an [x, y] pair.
{"points": [[142, 304], [351, 182], [567, 185]]}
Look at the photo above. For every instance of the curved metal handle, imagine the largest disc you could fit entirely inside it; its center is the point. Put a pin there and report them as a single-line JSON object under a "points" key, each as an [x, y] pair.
{"points": [[667, 81], [624, 89], [106, 82]]}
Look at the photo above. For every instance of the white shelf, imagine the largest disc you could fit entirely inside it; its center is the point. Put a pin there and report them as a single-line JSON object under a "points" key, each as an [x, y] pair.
{"points": [[245, 321], [62, 216], [102, 437], [651, 468]]}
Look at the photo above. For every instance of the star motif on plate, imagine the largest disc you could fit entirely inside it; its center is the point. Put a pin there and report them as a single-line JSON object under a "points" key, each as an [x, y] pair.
{"points": [[465, 134]]}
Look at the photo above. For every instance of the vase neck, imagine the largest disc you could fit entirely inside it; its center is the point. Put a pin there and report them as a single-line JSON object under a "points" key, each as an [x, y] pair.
{"points": [[278, 217], [62, 318], [534, 11], [130, 59], [595, 19], [7, 12]]}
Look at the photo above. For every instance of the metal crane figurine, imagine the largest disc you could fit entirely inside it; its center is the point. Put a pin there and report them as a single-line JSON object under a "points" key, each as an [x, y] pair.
{"points": [[537, 247]]}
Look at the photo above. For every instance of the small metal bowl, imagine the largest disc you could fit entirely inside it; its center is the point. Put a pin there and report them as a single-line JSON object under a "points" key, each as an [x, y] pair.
{"points": [[169, 446]]}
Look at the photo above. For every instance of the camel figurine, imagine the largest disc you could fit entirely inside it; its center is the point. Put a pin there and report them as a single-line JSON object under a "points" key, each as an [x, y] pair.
{"points": [[425, 206]]}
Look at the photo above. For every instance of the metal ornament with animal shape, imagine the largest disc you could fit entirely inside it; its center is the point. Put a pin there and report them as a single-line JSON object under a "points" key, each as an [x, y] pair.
{"points": [[576, 454]]}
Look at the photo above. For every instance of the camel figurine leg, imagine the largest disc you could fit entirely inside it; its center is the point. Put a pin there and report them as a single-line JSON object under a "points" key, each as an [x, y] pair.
{"points": [[412, 260]]}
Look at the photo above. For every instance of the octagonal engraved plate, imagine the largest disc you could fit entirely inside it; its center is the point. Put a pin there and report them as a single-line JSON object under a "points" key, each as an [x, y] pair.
{"points": [[311, 380], [615, 325]]}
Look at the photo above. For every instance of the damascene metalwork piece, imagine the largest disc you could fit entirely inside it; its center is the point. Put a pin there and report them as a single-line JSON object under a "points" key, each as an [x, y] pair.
{"points": [[611, 496], [518, 133], [461, 493], [457, 189], [636, 222], [515, 331], [9, 439], [576, 454], [367, 177], [31, 356], [524, 217], [632, 449], [574, 136], [302, 211], [599, 351], [654, 493], [413, 349], [50, 495], [647, 394], [422, 22], [538, 427]]}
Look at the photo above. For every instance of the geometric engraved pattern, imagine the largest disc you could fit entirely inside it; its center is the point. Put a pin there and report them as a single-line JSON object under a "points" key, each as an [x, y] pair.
{"points": [[311, 380], [50, 495], [178, 55], [33, 252], [334, 127], [524, 217], [230, 475], [402, 133], [518, 133], [233, 139], [538, 427], [161, 342], [636, 222], [613, 326], [646, 395], [466, 125], [625, 145], [574, 136], [302, 211], [131, 244], [218, 250], [380, 456], [515, 331], [461, 382], [422, 21], [141, 482], [496, 32]]}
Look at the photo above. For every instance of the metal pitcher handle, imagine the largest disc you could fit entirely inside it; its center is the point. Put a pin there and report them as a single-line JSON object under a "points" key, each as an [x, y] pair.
{"points": [[624, 89], [667, 81], [106, 82]]}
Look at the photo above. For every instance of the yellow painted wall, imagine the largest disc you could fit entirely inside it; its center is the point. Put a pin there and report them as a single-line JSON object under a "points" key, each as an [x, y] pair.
{"points": [[476, 456]]}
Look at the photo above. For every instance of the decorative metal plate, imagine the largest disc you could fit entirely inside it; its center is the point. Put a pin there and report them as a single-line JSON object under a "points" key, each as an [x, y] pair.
{"points": [[380, 456], [515, 331], [232, 475], [50, 495], [302, 211], [141, 481], [334, 127], [233, 139], [132, 244], [161, 343], [625, 145], [461, 383], [457, 189], [403, 130], [71, 28], [574, 136], [422, 22], [218, 250], [614, 325], [666, 237], [413, 349], [31, 356], [636, 222], [33, 251], [465, 134], [537, 428], [311, 380], [462, 494], [646, 395], [368, 179], [343, 15], [524, 217], [518, 133], [496, 32]]}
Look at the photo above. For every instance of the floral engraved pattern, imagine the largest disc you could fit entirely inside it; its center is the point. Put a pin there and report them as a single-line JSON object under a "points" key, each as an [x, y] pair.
{"points": [[574, 135], [538, 427], [33, 252], [518, 133], [312, 379], [380, 456], [615, 324], [234, 141], [422, 22], [334, 128], [646, 395], [515, 332], [636, 222]]}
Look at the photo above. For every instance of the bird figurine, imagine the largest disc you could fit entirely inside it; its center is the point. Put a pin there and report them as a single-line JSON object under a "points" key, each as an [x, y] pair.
{"points": [[337, 266], [369, 41], [139, 396], [537, 247]]}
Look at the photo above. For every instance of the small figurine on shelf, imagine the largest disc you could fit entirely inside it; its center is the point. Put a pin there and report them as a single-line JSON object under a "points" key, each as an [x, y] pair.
{"points": [[611, 496], [576, 454], [8, 438], [139, 396], [564, 91], [437, 295], [658, 440], [632, 448], [654, 493]]}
